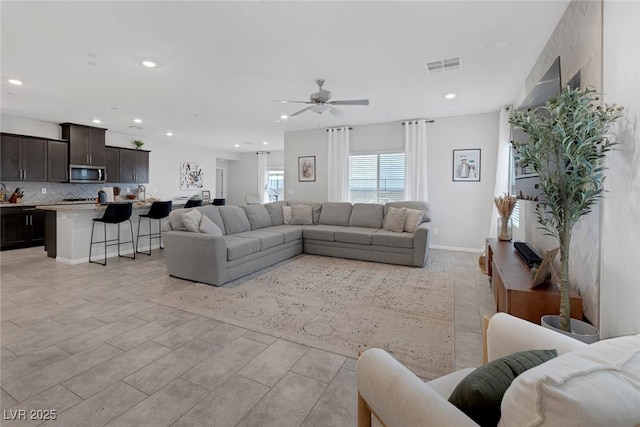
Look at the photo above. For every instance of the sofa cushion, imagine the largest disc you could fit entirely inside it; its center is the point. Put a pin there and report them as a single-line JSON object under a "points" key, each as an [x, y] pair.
{"points": [[321, 232], [237, 247], [191, 220], [213, 214], [301, 215], [334, 213], [175, 219], [395, 219], [357, 235], [286, 214], [479, 394], [392, 239], [366, 215], [258, 216], [234, 218], [597, 385], [316, 208], [268, 239], [422, 206], [289, 232], [275, 212], [209, 227], [413, 220]]}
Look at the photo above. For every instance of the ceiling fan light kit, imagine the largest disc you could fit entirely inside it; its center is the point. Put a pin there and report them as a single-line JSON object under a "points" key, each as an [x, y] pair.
{"points": [[321, 102]]}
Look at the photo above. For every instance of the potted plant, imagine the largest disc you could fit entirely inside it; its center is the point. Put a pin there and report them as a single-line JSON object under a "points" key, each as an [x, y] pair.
{"points": [[568, 142], [138, 143]]}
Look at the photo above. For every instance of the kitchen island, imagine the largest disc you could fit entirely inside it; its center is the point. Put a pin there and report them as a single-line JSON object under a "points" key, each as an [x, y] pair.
{"points": [[68, 232]]}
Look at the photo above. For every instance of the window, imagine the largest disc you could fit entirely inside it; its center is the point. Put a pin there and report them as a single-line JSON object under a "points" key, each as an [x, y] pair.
{"points": [[275, 185], [376, 178]]}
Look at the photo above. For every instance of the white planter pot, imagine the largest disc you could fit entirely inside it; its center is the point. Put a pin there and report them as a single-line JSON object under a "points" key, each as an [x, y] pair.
{"points": [[580, 330]]}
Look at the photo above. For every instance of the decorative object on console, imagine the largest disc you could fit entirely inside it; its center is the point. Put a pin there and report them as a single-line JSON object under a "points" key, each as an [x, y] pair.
{"points": [[505, 205], [191, 176], [206, 195], [567, 146], [466, 165], [138, 143], [307, 169]]}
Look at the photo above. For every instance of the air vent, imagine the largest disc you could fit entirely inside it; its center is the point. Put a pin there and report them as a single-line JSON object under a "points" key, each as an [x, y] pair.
{"points": [[439, 65], [135, 127]]}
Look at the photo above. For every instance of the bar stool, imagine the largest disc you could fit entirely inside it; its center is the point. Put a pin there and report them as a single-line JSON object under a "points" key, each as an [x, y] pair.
{"points": [[193, 203], [116, 213], [158, 210], [219, 202]]}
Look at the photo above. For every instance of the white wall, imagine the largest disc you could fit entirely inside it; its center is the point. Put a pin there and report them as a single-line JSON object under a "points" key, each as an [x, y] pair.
{"points": [[461, 211], [243, 175], [620, 250], [164, 159]]}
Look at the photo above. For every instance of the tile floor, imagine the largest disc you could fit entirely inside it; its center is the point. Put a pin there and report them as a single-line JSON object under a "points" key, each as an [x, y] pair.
{"points": [[86, 342]]}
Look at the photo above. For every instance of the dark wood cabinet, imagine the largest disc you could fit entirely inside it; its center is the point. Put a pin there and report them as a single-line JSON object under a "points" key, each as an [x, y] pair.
{"points": [[57, 161], [112, 163], [134, 166], [21, 227], [23, 158], [86, 144]]}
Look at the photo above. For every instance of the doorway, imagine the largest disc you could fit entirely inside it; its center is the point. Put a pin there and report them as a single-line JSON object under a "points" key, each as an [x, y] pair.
{"points": [[221, 183]]}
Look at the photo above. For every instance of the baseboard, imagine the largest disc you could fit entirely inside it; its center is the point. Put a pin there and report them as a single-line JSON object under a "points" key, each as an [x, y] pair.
{"points": [[456, 249]]}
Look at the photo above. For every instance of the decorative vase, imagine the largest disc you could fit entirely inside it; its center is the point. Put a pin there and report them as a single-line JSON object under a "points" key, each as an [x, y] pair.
{"points": [[580, 330], [505, 229]]}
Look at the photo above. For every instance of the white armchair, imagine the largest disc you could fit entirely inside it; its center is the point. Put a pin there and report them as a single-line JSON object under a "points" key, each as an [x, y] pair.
{"points": [[390, 395]]}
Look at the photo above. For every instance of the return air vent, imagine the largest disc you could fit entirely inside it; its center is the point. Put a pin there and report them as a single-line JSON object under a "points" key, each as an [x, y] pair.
{"points": [[439, 65], [135, 127]]}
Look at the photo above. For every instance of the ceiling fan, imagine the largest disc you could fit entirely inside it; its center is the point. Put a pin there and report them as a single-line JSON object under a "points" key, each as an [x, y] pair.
{"points": [[321, 102]]}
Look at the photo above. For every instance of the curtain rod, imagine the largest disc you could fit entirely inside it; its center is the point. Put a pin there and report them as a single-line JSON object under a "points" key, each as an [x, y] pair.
{"points": [[338, 129], [426, 121]]}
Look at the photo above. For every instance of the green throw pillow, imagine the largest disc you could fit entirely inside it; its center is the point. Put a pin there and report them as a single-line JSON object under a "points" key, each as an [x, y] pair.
{"points": [[480, 393]]}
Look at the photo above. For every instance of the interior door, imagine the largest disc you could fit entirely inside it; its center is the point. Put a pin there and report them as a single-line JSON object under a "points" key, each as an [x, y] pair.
{"points": [[220, 183]]}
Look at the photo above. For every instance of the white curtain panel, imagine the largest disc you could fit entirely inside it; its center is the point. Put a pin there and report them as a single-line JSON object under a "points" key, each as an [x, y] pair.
{"points": [[502, 166], [262, 176], [338, 165], [415, 142]]}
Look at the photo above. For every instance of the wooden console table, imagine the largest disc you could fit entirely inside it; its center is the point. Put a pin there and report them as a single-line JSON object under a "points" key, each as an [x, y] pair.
{"points": [[511, 278]]}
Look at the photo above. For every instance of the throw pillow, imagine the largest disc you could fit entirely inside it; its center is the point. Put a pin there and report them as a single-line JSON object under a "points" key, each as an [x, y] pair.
{"points": [[286, 213], [395, 219], [479, 394], [413, 220], [209, 227], [192, 220], [301, 215]]}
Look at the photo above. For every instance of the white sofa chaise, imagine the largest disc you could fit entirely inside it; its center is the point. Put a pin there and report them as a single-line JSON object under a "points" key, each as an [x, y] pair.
{"points": [[586, 385]]}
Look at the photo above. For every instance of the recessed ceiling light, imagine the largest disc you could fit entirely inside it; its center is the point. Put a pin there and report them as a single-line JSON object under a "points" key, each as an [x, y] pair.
{"points": [[494, 45], [237, 145], [149, 64], [284, 117], [265, 143], [137, 120], [450, 95], [169, 133], [15, 82], [96, 121]]}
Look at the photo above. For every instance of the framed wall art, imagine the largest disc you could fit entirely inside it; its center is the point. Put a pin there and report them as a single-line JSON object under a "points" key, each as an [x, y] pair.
{"points": [[466, 165], [191, 176], [206, 195], [307, 169]]}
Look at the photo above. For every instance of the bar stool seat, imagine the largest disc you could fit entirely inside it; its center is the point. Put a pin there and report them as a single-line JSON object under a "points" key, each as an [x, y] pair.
{"points": [[158, 210], [193, 203], [116, 213], [219, 202]]}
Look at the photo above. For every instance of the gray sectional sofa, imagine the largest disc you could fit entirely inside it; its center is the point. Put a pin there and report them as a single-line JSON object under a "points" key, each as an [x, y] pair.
{"points": [[251, 238]]}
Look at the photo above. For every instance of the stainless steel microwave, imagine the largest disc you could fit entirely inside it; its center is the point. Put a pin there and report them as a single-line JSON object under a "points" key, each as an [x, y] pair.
{"points": [[82, 173]]}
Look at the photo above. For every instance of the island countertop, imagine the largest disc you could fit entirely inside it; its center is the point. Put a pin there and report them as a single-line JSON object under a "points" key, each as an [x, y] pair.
{"points": [[88, 207]]}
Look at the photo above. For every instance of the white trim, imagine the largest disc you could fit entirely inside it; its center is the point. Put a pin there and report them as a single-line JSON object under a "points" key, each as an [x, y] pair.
{"points": [[457, 249]]}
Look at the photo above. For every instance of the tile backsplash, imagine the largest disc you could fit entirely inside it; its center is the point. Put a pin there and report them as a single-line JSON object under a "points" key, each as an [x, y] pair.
{"points": [[56, 191]]}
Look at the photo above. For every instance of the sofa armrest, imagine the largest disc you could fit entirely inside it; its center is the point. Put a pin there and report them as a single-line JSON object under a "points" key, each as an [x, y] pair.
{"points": [[509, 334], [421, 242], [399, 398], [195, 256]]}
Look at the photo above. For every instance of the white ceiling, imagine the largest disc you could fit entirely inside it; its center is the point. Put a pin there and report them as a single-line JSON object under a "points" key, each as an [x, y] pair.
{"points": [[221, 64]]}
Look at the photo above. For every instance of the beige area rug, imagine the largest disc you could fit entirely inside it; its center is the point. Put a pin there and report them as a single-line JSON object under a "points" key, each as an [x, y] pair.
{"points": [[341, 305]]}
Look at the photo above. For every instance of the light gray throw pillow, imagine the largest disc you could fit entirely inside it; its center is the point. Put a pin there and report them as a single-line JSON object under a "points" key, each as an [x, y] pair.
{"points": [[191, 220], [209, 227], [301, 215], [413, 220], [395, 219]]}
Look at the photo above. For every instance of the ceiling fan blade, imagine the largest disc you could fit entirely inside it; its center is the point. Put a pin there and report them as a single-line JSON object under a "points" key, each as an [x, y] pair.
{"points": [[350, 102], [284, 101], [301, 111], [336, 112]]}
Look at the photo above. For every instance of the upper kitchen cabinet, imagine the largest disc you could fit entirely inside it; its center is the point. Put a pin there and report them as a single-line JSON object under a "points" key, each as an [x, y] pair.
{"points": [[57, 161], [112, 163], [86, 144], [23, 158], [134, 166]]}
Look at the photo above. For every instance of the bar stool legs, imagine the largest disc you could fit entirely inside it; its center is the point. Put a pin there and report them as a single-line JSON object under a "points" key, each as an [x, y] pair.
{"points": [[151, 235], [109, 242]]}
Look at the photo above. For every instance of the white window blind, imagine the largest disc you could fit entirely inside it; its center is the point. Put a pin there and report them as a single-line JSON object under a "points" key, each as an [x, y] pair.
{"points": [[515, 215], [376, 178]]}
